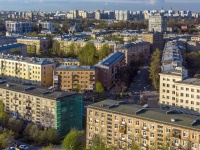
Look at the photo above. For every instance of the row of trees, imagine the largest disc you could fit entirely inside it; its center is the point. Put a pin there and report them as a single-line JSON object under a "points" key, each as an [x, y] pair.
{"points": [[154, 69], [87, 55]]}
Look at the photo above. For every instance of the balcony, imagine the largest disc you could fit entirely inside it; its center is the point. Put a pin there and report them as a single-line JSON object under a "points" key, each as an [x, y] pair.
{"points": [[122, 129]]}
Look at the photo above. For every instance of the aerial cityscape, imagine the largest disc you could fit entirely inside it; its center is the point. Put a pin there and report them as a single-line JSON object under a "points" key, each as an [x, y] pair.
{"points": [[100, 75]]}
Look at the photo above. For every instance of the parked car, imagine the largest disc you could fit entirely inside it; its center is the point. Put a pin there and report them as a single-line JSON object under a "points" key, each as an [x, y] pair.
{"points": [[23, 147]]}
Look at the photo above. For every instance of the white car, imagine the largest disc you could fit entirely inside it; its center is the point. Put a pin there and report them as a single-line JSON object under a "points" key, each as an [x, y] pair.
{"points": [[23, 147]]}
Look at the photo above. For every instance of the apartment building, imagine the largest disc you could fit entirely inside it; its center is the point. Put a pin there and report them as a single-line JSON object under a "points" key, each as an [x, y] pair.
{"points": [[176, 88], [120, 124], [10, 48], [157, 23], [35, 45], [46, 27], [69, 62], [44, 107], [155, 39], [193, 46], [135, 51], [19, 27], [23, 69], [7, 40], [69, 78], [64, 43], [109, 69]]}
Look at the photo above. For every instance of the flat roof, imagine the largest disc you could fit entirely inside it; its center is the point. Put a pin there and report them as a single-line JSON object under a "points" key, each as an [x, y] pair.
{"points": [[136, 43], [10, 46], [31, 60], [37, 91], [111, 59], [191, 81], [74, 67], [150, 114]]}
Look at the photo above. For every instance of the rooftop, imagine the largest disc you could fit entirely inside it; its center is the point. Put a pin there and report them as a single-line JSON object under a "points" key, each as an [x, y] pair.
{"points": [[111, 59], [74, 67], [34, 90], [136, 43], [152, 114], [191, 81], [31, 60], [10, 46]]}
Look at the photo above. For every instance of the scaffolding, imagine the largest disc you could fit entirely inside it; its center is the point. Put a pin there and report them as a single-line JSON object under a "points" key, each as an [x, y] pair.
{"points": [[69, 114]]}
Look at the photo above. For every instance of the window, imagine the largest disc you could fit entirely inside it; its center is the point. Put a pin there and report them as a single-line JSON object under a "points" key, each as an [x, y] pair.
{"points": [[116, 118], [193, 135], [144, 124], [96, 113], [129, 129], [116, 126], [90, 112], [90, 120], [197, 103], [129, 121], [192, 95], [137, 123], [103, 115], [192, 90], [96, 129], [152, 135], [167, 130], [186, 101], [185, 134], [192, 102], [137, 131], [193, 145], [123, 119], [102, 123], [187, 89], [152, 127]]}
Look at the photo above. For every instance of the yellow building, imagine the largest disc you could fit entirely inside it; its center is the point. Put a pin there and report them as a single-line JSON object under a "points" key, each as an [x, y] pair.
{"points": [[64, 43], [35, 45], [24, 69], [44, 107], [120, 124], [71, 77]]}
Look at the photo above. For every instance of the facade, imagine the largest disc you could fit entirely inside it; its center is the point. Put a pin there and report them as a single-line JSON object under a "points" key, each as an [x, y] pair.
{"points": [[135, 51], [23, 69], [19, 27], [155, 39], [120, 124], [157, 23], [46, 27], [176, 88], [44, 107], [69, 62], [35, 45], [69, 78], [8, 49], [7, 40], [122, 15], [64, 43], [109, 69]]}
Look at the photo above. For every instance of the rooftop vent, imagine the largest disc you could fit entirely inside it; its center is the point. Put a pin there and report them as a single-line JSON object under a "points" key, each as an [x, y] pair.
{"points": [[112, 106], [7, 85], [47, 92], [140, 111], [195, 121], [29, 88], [1, 82], [26, 83], [173, 120], [102, 105]]}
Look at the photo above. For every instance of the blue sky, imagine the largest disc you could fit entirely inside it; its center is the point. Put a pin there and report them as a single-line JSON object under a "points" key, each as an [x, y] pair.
{"points": [[65, 5]]}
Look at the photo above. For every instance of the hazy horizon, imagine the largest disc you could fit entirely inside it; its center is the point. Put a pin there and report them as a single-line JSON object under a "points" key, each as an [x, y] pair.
{"points": [[91, 5]]}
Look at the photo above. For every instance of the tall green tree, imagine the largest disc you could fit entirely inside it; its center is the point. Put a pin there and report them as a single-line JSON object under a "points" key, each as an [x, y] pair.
{"points": [[3, 115], [72, 140], [155, 68], [99, 88], [6, 138], [104, 51], [88, 54], [15, 125], [98, 144]]}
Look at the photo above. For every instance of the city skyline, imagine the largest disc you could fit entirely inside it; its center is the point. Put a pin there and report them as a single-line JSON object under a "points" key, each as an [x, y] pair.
{"points": [[91, 5]]}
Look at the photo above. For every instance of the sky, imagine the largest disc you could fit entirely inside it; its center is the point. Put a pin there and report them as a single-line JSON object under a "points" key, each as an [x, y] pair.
{"points": [[90, 5]]}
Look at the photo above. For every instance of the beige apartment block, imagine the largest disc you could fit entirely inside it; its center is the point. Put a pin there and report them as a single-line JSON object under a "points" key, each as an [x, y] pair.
{"points": [[40, 45], [45, 107], [69, 78], [135, 51], [120, 124], [64, 43], [23, 69]]}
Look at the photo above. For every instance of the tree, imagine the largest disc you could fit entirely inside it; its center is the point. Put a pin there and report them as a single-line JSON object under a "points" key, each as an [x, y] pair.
{"points": [[155, 68], [104, 51], [99, 88], [49, 147], [72, 140], [16, 51], [3, 115], [98, 144], [88, 55], [6, 138], [78, 88], [15, 125], [71, 50], [56, 49], [32, 132], [31, 49]]}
